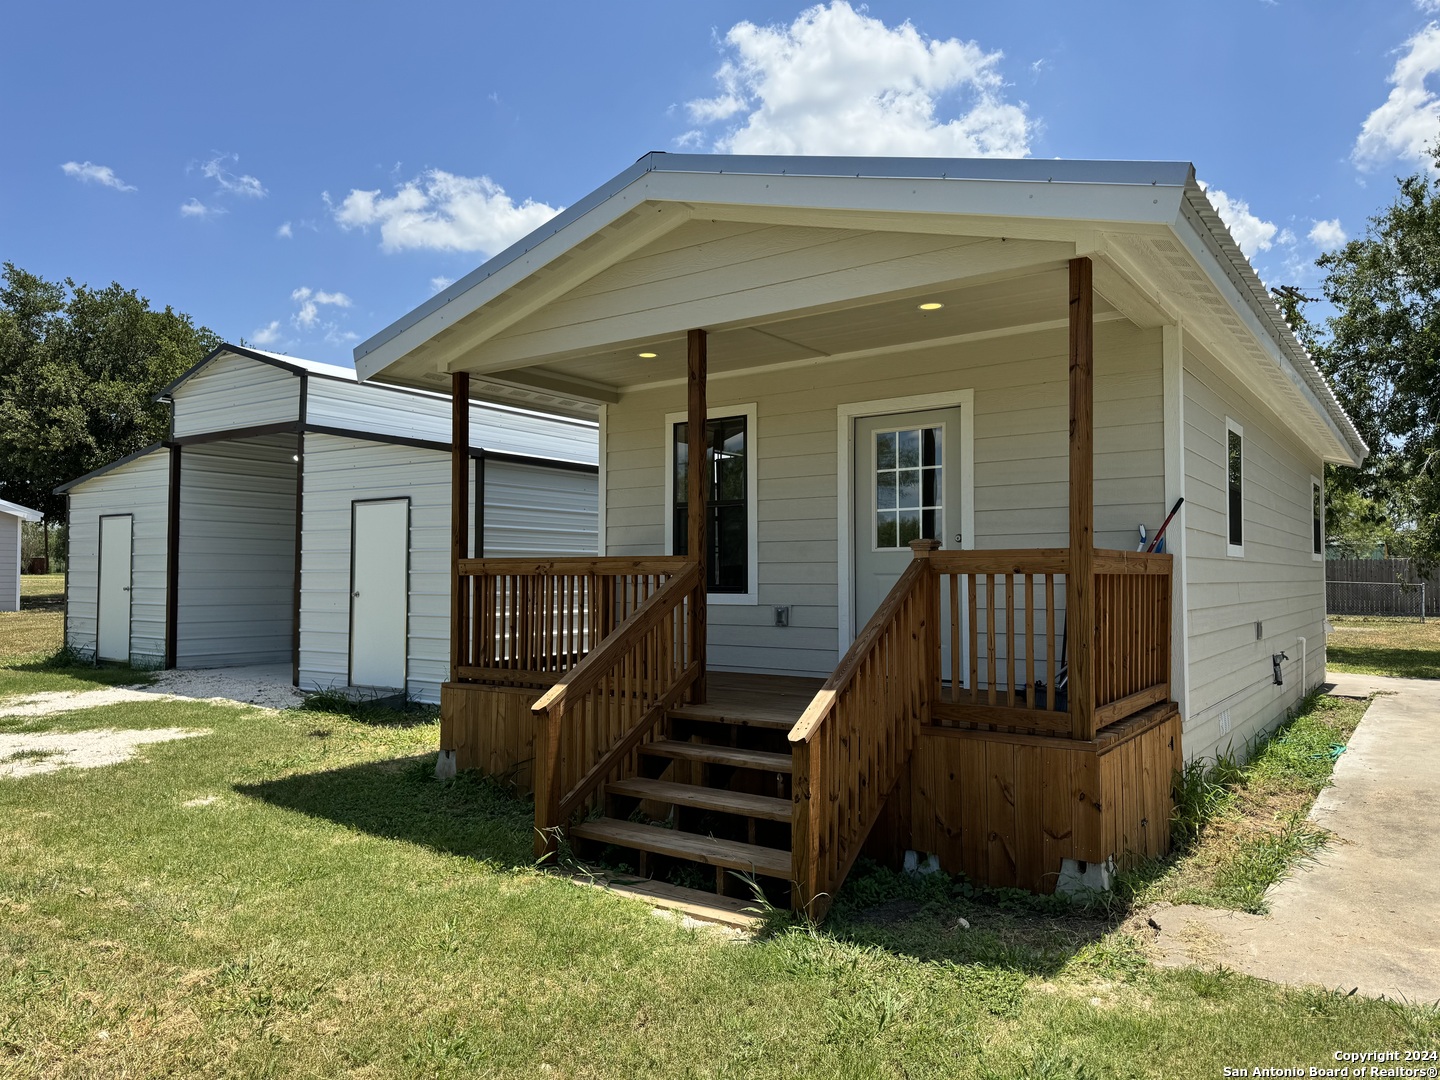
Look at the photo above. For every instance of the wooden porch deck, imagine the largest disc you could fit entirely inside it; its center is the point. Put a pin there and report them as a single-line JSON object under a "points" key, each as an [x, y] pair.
{"points": [[768, 701]]}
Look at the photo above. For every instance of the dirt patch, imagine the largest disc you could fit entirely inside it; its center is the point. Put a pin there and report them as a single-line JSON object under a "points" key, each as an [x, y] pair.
{"points": [[51, 751], [268, 688]]}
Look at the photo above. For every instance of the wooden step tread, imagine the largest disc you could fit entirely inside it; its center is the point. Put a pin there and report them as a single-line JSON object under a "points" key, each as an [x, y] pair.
{"points": [[719, 755], [751, 858], [733, 911], [716, 714], [704, 798]]}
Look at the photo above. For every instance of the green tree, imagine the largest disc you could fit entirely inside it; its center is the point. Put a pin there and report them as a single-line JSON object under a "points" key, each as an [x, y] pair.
{"points": [[1381, 351], [79, 370]]}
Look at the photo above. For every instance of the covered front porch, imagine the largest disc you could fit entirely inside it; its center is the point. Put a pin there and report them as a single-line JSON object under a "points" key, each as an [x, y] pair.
{"points": [[1006, 709]]}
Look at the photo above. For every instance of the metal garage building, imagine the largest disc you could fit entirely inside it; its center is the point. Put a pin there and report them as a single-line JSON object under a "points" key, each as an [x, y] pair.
{"points": [[11, 516], [298, 516]]}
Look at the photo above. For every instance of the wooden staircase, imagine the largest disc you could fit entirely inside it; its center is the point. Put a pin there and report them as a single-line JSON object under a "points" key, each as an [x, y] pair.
{"points": [[709, 808]]}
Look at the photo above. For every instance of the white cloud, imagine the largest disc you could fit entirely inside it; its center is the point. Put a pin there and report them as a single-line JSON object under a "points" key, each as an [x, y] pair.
{"points": [[836, 81], [335, 336], [284, 231], [193, 207], [1408, 123], [1251, 232], [440, 281], [1286, 237], [267, 335], [1429, 7], [90, 173], [1328, 234], [310, 301], [229, 183], [440, 211]]}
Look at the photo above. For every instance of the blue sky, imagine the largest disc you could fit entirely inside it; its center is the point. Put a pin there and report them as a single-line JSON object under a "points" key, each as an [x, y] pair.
{"points": [[300, 175]]}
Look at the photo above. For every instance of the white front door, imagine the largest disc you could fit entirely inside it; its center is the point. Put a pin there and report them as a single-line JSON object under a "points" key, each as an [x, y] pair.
{"points": [[379, 593], [112, 637], [907, 487]]}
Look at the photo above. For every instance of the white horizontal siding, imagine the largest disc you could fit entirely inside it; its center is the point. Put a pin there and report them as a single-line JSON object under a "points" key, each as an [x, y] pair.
{"points": [[384, 410], [339, 471], [9, 562], [140, 488], [234, 392], [1021, 426], [1276, 582], [537, 511], [237, 552]]}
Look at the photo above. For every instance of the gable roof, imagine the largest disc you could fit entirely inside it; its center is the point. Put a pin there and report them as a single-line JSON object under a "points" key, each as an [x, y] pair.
{"points": [[24, 513], [293, 364], [1085, 202]]}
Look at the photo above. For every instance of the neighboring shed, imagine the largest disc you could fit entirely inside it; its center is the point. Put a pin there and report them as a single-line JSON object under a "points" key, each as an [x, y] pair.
{"points": [[297, 516], [11, 515]]}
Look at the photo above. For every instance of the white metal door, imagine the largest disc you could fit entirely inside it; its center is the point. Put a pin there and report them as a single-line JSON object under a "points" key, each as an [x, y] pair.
{"points": [[907, 487], [379, 593], [112, 637]]}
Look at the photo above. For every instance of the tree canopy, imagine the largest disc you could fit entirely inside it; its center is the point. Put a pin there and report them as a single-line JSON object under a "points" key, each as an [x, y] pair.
{"points": [[79, 370], [1381, 350]]}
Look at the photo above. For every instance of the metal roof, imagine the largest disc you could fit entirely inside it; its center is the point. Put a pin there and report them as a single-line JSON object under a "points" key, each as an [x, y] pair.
{"points": [[24, 513], [117, 463], [1178, 178]]}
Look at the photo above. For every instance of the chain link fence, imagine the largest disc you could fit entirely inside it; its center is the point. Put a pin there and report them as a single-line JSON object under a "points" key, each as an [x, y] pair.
{"points": [[1393, 599]]}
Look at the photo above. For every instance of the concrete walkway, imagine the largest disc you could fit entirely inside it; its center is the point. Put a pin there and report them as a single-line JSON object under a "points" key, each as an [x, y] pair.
{"points": [[1366, 913]]}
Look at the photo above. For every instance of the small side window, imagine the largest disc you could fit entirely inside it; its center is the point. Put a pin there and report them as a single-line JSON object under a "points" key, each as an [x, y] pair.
{"points": [[1317, 516], [1235, 488]]}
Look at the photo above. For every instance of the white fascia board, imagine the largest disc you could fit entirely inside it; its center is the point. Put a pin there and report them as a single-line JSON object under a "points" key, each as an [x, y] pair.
{"points": [[958, 197], [1193, 235], [566, 230]]}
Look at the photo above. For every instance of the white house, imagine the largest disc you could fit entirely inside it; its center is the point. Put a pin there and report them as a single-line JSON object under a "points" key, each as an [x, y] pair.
{"points": [[11, 515], [802, 366], [296, 516]]}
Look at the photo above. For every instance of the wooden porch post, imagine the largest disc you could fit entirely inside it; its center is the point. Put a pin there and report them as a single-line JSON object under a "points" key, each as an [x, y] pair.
{"points": [[1080, 586], [459, 515], [697, 491]]}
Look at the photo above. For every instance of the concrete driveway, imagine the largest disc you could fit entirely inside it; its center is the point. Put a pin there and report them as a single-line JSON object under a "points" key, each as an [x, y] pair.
{"points": [[1366, 913]]}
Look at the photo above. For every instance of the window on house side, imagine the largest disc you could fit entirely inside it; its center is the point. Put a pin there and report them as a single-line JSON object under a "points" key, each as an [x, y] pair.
{"points": [[1317, 514], [727, 524], [1235, 476]]}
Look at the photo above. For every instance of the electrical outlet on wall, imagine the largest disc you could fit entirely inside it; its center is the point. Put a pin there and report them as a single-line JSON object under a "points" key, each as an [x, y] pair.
{"points": [[782, 616]]}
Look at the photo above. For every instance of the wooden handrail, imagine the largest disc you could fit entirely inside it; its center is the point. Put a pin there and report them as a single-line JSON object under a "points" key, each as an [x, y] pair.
{"points": [[582, 677], [1002, 561], [590, 723], [571, 564], [820, 704], [854, 739]]}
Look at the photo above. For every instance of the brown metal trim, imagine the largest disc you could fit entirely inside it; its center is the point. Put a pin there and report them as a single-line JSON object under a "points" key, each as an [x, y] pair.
{"points": [[283, 427], [459, 517], [172, 562], [299, 535]]}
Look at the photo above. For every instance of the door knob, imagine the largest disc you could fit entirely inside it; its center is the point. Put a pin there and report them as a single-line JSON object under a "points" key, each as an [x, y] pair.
{"points": [[355, 594]]}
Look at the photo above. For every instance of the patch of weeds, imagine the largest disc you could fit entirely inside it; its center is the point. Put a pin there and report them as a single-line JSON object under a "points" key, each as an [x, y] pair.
{"points": [[1262, 859], [29, 755], [686, 876], [395, 711]]}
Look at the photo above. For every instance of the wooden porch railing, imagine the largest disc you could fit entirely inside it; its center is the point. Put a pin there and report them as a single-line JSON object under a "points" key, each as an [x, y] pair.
{"points": [[1132, 633], [852, 742], [1000, 615], [589, 725], [525, 622]]}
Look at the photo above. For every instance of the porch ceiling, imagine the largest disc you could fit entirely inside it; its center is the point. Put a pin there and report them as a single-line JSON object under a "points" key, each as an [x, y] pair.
{"points": [[890, 323]]}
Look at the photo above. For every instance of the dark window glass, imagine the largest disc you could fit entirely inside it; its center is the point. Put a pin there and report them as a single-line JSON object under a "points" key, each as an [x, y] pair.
{"points": [[1317, 498], [727, 527], [1237, 530]]}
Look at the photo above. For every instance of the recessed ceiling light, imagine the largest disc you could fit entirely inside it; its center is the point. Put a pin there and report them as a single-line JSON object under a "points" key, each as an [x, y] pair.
{"points": [[931, 305], [646, 355]]}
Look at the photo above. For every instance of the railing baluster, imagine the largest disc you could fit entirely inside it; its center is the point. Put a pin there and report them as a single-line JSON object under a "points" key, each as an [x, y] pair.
{"points": [[1010, 640], [1030, 640], [990, 636]]}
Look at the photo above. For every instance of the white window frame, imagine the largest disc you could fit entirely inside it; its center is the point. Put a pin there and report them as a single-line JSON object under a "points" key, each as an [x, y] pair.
{"points": [[1235, 551], [751, 597], [1316, 484]]}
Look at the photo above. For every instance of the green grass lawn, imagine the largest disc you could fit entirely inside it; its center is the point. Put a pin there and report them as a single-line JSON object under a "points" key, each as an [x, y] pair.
{"points": [[32, 659], [1367, 645], [294, 895], [1246, 826]]}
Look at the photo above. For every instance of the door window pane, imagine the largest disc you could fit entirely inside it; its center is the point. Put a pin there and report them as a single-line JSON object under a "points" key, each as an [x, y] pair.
{"points": [[909, 485], [727, 520]]}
